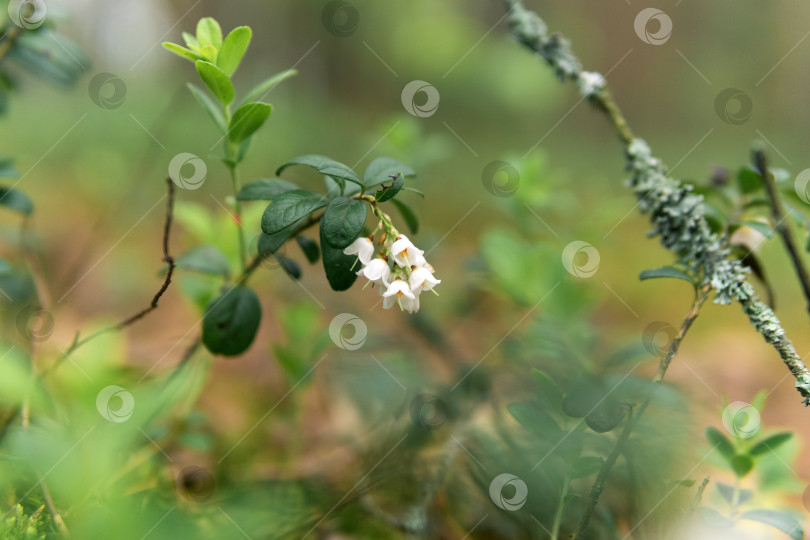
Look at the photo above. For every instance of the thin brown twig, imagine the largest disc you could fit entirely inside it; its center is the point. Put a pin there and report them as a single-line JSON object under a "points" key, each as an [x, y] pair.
{"points": [[780, 223]]}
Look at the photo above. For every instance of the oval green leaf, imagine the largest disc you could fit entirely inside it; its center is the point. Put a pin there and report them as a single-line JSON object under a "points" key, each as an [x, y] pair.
{"points": [[324, 165], [263, 88], [216, 80], [247, 120], [206, 260], [264, 189], [770, 444], [289, 207], [209, 32], [667, 272], [310, 248], [181, 51], [339, 267], [231, 321], [233, 49], [16, 200], [382, 169], [389, 192], [720, 442], [343, 221]]}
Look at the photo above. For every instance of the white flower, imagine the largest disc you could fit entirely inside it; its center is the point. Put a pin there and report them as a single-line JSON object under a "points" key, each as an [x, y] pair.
{"points": [[363, 247], [422, 280], [405, 253], [400, 292], [376, 271]]}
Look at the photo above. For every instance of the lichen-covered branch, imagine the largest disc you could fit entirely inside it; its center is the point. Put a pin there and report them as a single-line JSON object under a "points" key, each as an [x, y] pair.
{"points": [[676, 212]]}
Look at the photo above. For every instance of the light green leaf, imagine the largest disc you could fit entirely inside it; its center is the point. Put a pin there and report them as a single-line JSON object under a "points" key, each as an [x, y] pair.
{"points": [[231, 321], [181, 51], [263, 88], [191, 41], [382, 169], [667, 272], [209, 33], [205, 259], [338, 266], [324, 165], [208, 104], [289, 207], [264, 189], [586, 466], [16, 200], [207, 53], [408, 215], [247, 120], [343, 221], [233, 49], [216, 80], [742, 464], [783, 521]]}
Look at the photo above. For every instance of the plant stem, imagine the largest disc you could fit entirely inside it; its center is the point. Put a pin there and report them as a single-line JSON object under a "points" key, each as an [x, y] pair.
{"points": [[558, 515], [780, 224], [237, 205]]}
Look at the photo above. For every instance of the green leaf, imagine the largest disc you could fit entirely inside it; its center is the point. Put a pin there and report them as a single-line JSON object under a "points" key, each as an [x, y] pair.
{"points": [[742, 464], [408, 215], [216, 80], [667, 272], [231, 321], [749, 180], [263, 88], [727, 492], [7, 168], [207, 53], [190, 40], [389, 192], [208, 104], [783, 521], [290, 266], [233, 49], [338, 266], [382, 169], [770, 444], [586, 466], [343, 221], [205, 259], [270, 243], [310, 248], [16, 200], [549, 391], [324, 165], [247, 120], [181, 51], [719, 441], [209, 32], [264, 189], [533, 418], [289, 207], [762, 228], [414, 190]]}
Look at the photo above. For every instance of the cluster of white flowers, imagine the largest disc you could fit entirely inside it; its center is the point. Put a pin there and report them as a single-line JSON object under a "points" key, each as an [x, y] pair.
{"points": [[403, 281]]}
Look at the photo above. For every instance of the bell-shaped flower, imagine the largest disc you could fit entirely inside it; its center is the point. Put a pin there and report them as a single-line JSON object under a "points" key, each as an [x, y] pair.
{"points": [[422, 280], [406, 254], [363, 247], [376, 271], [399, 292]]}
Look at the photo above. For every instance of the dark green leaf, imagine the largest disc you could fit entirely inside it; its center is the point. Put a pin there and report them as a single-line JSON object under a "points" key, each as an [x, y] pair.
{"points": [[382, 169], [770, 444], [338, 266], [233, 49], [264, 189], [216, 80], [343, 221], [16, 200], [247, 120], [208, 104], [550, 393], [324, 165], [209, 33], [749, 180], [388, 192], [231, 321], [289, 207], [290, 266], [586, 466], [204, 259], [262, 89], [783, 521], [720, 442], [310, 248], [408, 215], [742, 464], [762, 228], [667, 272], [534, 418]]}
